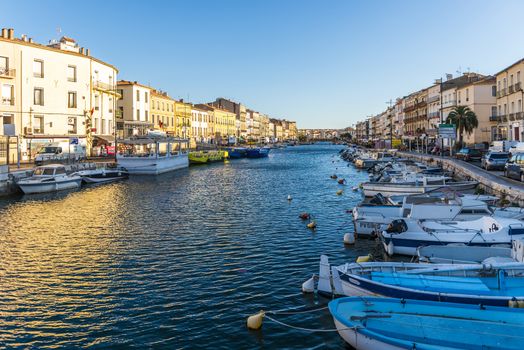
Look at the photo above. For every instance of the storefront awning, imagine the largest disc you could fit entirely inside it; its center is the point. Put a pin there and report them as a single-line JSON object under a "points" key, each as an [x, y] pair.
{"points": [[105, 138]]}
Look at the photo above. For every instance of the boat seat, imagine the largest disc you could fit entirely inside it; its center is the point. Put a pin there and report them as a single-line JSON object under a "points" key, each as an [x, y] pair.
{"points": [[432, 283]]}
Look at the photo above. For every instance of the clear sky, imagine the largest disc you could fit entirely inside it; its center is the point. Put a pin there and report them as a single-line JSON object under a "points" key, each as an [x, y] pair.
{"points": [[325, 64]]}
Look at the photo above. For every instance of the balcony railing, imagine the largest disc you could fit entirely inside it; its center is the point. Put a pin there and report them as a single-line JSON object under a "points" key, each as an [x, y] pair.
{"points": [[504, 118], [518, 87], [7, 73], [494, 118], [433, 99], [511, 89], [519, 116], [8, 101], [434, 115], [99, 85], [512, 116]]}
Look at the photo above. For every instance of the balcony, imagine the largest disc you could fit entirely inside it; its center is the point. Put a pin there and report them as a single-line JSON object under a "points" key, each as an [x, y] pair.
{"points": [[511, 116], [504, 118], [519, 116], [408, 109], [8, 101], [517, 87], [433, 99], [494, 118], [7, 73], [511, 89], [434, 115], [105, 87]]}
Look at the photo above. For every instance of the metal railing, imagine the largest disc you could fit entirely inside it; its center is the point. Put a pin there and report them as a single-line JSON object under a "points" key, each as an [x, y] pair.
{"points": [[494, 118], [8, 101], [518, 87], [7, 73]]}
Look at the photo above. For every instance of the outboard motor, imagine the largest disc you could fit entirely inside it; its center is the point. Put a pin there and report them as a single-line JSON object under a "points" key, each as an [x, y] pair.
{"points": [[378, 199], [397, 226]]}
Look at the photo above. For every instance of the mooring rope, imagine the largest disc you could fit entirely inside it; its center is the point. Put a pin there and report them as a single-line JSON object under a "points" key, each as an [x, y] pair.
{"points": [[308, 329], [287, 312]]}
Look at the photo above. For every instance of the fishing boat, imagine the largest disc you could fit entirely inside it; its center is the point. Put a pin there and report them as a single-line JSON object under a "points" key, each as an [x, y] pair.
{"points": [[370, 218], [259, 152], [49, 178], [368, 160], [237, 152], [152, 154], [198, 157], [102, 175], [404, 236], [391, 324], [387, 189], [463, 254]]}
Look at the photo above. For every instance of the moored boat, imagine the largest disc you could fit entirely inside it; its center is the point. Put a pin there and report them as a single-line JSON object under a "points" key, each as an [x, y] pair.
{"points": [[49, 178], [237, 152], [258, 152], [102, 175], [388, 189], [386, 323], [198, 157]]}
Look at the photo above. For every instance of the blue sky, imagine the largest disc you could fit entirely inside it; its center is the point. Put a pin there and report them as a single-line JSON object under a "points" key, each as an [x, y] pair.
{"points": [[322, 63]]}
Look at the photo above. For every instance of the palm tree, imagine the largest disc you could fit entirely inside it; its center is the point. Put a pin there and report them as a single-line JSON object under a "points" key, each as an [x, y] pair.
{"points": [[465, 120]]}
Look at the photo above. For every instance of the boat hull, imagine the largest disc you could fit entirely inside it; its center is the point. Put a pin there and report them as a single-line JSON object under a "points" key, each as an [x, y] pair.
{"points": [[152, 165], [258, 152], [51, 186], [388, 190], [361, 341], [104, 177]]}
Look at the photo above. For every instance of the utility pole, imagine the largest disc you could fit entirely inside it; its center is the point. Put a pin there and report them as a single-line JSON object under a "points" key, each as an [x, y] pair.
{"points": [[390, 105]]}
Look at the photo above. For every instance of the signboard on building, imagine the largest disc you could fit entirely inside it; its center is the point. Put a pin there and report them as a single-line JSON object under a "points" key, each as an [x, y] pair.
{"points": [[447, 131], [396, 143]]}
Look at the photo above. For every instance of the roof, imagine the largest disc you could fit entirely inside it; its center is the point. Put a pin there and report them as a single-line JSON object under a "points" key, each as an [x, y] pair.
{"points": [[44, 47], [127, 82], [158, 94], [510, 66]]}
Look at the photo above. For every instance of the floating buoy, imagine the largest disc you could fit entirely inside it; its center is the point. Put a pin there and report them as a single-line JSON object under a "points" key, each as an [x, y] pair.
{"points": [[309, 285], [339, 192], [349, 238], [341, 181], [255, 321], [334, 177], [363, 258], [289, 197], [354, 188], [304, 216], [312, 225]]}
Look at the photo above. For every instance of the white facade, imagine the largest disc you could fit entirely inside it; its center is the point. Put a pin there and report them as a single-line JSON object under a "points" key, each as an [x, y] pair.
{"points": [[48, 92], [134, 109], [201, 125]]}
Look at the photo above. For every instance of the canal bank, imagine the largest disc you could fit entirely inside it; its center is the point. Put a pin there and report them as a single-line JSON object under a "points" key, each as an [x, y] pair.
{"points": [[497, 185]]}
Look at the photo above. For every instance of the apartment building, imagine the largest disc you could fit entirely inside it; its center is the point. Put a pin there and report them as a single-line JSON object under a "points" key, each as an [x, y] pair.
{"points": [[509, 102], [433, 106], [162, 108], [55, 92], [183, 119], [240, 114], [202, 124], [134, 109]]}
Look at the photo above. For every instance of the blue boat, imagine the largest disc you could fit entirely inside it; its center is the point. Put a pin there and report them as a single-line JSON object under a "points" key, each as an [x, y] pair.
{"points": [[236, 152], [385, 323], [257, 152], [496, 285]]}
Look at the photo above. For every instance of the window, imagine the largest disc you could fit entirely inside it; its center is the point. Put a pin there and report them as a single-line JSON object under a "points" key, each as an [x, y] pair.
{"points": [[38, 97], [512, 107], [110, 105], [163, 105], [505, 83], [493, 90], [138, 114], [8, 94], [518, 77], [4, 64], [494, 110], [103, 126], [121, 109], [158, 105], [121, 93], [459, 96], [137, 95], [71, 73], [147, 115], [467, 95], [71, 99], [97, 103], [71, 123], [511, 80], [38, 124], [38, 68], [94, 127], [145, 98], [519, 106]]}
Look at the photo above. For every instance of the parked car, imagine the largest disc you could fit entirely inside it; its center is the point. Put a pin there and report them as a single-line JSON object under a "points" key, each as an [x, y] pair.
{"points": [[515, 167], [469, 154], [494, 160]]}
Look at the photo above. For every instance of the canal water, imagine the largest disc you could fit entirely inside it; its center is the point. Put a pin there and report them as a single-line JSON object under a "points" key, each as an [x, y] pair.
{"points": [[179, 260]]}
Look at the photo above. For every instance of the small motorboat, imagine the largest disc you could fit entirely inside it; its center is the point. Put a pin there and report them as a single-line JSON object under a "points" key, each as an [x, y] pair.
{"points": [[388, 189], [462, 254], [261, 152], [102, 175], [392, 324], [237, 152], [49, 178]]}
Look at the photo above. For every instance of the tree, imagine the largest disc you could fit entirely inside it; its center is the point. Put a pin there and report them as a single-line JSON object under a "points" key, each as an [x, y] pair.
{"points": [[465, 120]]}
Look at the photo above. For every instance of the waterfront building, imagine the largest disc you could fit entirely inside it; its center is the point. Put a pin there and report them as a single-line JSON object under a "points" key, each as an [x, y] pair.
{"points": [[183, 119], [133, 109], [240, 114], [271, 130], [54, 93], [509, 102], [223, 124], [449, 90], [480, 97], [265, 132], [202, 126], [293, 135], [434, 97], [415, 115], [162, 112]]}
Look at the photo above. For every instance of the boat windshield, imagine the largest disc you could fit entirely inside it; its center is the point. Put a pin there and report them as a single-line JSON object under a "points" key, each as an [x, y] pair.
{"points": [[50, 150], [43, 171]]}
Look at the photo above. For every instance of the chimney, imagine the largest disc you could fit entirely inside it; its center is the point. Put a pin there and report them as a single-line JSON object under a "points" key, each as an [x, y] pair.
{"points": [[31, 40], [4, 33], [11, 33], [87, 52], [24, 37], [82, 51]]}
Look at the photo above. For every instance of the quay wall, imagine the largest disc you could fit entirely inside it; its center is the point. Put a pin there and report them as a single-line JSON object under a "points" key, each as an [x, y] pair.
{"points": [[492, 184]]}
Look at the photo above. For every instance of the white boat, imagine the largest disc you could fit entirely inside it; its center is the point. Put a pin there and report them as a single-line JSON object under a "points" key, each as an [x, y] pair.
{"points": [[49, 178], [102, 175], [387, 189], [366, 160], [369, 219], [404, 236], [152, 155], [463, 254]]}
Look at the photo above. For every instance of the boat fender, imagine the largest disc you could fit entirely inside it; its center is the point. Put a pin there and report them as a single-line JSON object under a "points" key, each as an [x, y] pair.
{"points": [[289, 198], [304, 216], [309, 285], [312, 225], [363, 258], [339, 192], [349, 238], [255, 321]]}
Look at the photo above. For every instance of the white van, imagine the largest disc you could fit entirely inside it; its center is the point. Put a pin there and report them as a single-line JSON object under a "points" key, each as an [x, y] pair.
{"points": [[501, 146], [59, 152], [517, 147]]}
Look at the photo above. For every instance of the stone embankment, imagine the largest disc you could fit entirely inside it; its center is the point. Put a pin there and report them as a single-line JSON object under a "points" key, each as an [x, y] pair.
{"points": [[491, 183]]}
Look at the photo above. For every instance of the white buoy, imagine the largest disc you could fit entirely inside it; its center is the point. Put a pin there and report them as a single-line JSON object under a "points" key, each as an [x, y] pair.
{"points": [[355, 188], [309, 285], [349, 238], [289, 197], [255, 321]]}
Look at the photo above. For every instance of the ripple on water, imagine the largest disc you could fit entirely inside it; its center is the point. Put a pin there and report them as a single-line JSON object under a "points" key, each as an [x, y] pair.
{"points": [[176, 261]]}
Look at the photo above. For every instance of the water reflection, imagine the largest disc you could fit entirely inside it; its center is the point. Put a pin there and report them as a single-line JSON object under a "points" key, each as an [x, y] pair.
{"points": [[176, 260]]}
